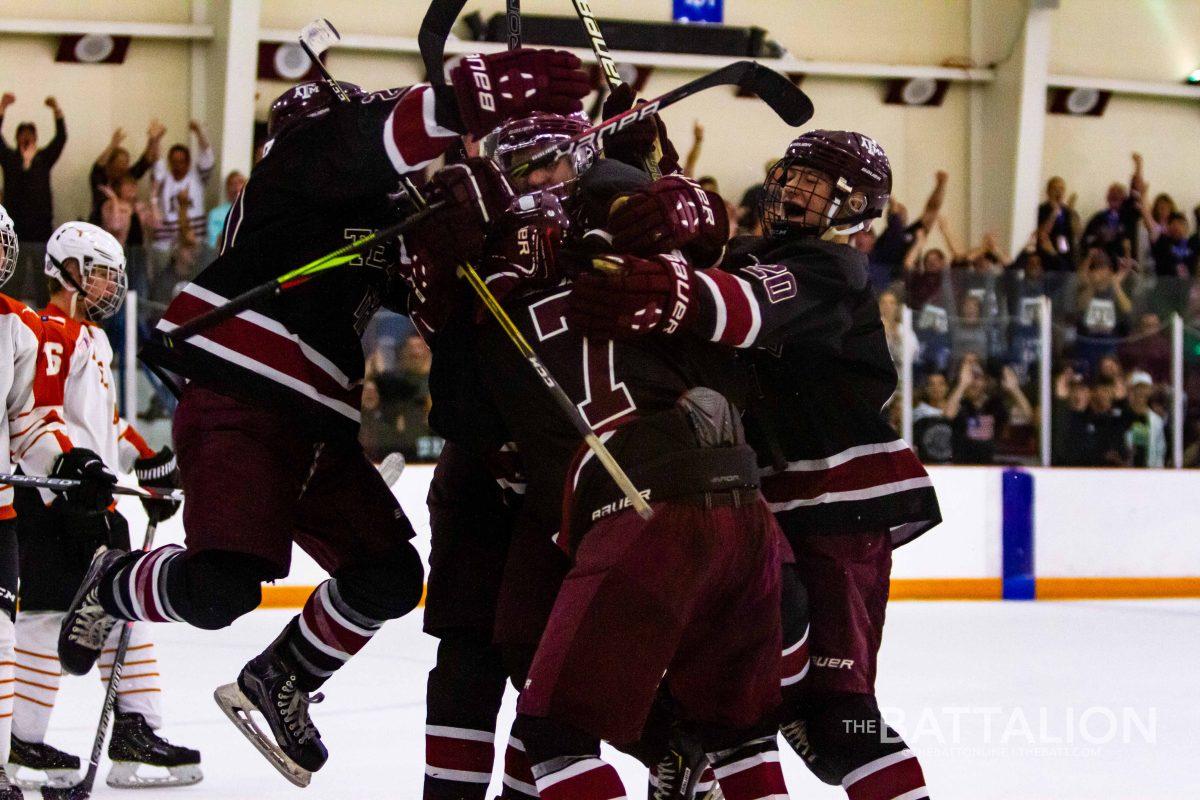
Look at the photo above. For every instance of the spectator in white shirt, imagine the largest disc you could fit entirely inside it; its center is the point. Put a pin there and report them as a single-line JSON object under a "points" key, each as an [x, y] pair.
{"points": [[180, 175]]}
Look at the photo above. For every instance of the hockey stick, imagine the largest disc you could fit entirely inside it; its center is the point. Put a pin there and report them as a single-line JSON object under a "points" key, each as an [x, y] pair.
{"points": [[289, 280], [83, 789], [787, 100], [62, 484], [514, 24], [431, 38], [606, 459], [609, 67], [316, 37]]}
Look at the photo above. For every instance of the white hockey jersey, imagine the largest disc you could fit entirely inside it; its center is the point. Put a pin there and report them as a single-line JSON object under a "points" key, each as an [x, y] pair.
{"points": [[81, 370], [33, 431]]}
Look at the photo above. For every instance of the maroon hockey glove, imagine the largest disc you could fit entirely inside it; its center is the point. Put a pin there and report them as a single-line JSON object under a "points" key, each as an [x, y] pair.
{"points": [[492, 88], [159, 471], [671, 214], [634, 296], [476, 194], [634, 144]]}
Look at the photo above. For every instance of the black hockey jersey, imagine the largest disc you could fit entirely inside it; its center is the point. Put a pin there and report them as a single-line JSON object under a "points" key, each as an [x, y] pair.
{"points": [[821, 374], [317, 188], [626, 390]]}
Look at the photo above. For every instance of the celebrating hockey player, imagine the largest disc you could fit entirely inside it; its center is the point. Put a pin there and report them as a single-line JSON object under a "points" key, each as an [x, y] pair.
{"points": [[266, 429], [845, 488], [85, 268], [36, 437]]}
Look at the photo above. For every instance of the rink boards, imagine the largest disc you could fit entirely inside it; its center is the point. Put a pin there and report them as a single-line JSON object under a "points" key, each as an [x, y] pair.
{"points": [[1084, 533]]}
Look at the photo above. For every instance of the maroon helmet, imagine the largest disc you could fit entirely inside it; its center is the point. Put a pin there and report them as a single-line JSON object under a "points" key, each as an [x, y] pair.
{"points": [[517, 140], [302, 101], [827, 179]]}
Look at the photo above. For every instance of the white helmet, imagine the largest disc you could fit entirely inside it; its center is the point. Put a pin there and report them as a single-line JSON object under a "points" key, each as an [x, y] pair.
{"points": [[102, 280], [8, 246]]}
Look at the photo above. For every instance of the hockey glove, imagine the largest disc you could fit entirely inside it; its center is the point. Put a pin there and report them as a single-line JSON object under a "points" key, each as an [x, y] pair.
{"points": [[159, 471], [673, 213], [634, 144], [488, 89], [94, 494], [633, 296], [476, 195]]}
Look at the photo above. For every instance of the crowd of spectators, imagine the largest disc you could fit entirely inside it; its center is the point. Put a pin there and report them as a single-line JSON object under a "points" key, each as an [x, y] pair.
{"points": [[975, 340]]}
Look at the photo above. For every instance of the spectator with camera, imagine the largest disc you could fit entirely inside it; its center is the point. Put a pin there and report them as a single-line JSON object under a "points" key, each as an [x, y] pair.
{"points": [[1058, 226], [27, 193]]}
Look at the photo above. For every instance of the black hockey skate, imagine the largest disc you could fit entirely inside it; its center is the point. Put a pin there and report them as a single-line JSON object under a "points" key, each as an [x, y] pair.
{"points": [[134, 744], [60, 769], [268, 685], [675, 776], [86, 624], [8, 789]]}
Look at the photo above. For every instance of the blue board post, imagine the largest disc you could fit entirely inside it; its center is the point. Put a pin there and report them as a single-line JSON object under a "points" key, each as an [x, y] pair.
{"points": [[1017, 514], [699, 11]]}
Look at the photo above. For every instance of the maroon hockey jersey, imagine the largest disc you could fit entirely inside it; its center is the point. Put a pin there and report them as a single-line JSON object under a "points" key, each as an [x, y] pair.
{"points": [[320, 186], [821, 374]]}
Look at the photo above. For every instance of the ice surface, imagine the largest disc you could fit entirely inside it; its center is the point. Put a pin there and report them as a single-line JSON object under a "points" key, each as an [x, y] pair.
{"points": [[1016, 678]]}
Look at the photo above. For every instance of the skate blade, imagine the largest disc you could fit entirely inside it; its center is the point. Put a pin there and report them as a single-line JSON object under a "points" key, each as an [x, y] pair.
{"points": [[126, 775], [54, 778], [237, 707]]}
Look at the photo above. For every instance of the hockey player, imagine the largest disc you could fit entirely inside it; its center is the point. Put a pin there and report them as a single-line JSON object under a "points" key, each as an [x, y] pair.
{"points": [[642, 409], [845, 488], [34, 434], [266, 429], [85, 268], [474, 497]]}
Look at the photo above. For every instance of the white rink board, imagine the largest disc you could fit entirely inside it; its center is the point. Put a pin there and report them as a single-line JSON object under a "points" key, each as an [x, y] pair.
{"points": [[1116, 523], [967, 543], [1088, 523]]}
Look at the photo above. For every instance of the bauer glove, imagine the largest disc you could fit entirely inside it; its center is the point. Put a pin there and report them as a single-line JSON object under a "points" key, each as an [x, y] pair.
{"points": [[159, 471]]}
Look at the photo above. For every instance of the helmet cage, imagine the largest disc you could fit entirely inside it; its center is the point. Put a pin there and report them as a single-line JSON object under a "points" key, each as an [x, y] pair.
{"points": [[795, 190], [9, 247], [103, 281]]}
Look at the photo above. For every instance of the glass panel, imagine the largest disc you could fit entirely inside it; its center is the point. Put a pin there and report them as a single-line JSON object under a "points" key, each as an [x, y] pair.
{"points": [[976, 366]]}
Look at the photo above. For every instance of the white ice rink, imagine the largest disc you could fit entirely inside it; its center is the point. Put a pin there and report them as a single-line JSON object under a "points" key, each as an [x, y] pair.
{"points": [[1003, 701]]}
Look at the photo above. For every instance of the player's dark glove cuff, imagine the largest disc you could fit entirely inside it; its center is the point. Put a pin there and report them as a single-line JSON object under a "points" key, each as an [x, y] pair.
{"points": [[159, 471], [94, 492]]}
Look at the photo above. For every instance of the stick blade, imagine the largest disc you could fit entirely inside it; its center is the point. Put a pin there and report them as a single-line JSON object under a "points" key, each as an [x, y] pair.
{"points": [[435, 29], [784, 97], [319, 35]]}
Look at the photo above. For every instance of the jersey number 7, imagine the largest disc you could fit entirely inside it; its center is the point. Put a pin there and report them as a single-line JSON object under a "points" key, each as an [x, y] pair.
{"points": [[606, 400]]}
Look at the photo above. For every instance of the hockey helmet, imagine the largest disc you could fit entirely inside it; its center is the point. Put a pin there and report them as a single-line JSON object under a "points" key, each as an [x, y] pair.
{"points": [[101, 281], [8, 246], [518, 140], [303, 101], [827, 179]]}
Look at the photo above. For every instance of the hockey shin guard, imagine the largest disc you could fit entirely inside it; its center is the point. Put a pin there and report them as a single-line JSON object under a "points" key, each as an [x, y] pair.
{"points": [[325, 635], [518, 781], [139, 691], [462, 700], [566, 762], [37, 674], [750, 771]]}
